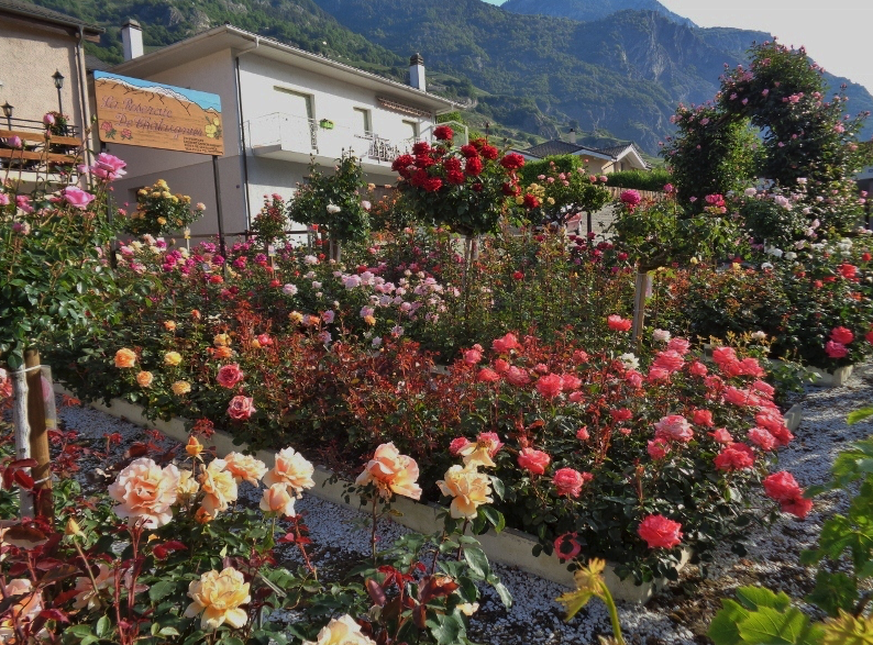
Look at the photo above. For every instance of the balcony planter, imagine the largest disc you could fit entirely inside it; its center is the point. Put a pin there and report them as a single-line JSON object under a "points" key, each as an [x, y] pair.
{"points": [[326, 124], [510, 547]]}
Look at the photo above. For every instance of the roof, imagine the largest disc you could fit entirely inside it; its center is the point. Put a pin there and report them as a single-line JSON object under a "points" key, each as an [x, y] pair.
{"points": [[557, 147], [617, 152], [229, 37], [48, 16]]}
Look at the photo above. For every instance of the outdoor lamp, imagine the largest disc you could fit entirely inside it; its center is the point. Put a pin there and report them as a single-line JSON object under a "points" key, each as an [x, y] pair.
{"points": [[59, 84], [7, 112]]}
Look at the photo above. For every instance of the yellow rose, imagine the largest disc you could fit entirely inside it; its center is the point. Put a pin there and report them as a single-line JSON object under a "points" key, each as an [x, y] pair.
{"points": [[125, 358], [194, 447], [245, 467], [218, 597], [221, 340], [292, 470], [468, 488], [391, 472], [160, 183], [181, 388], [145, 491], [218, 486], [295, 317], [188, 486], [144, 379], [370, 320], [172, 358], [341, 631]]}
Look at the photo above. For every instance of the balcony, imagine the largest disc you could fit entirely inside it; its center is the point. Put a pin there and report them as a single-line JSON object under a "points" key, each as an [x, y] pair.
{"points": [[289, 138], [29, 153]]}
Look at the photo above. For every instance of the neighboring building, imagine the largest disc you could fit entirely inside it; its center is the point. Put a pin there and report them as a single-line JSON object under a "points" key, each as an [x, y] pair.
{"points": [[598, 161], [280, 107], [41, 49]]}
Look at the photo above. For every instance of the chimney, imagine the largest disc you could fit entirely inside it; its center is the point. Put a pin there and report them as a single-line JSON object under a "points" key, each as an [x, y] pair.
{"points": [[416, 72], [572, 135], [131, 39]]}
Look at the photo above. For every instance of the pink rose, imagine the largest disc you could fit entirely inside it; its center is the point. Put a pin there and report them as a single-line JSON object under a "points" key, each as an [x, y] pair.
{"points": [[517, 376], [108, 167], [568, 482], [669, 360], [763, 439], [472, 356], [534, 461], [617, 323], [634, 379], [458, 444], [798, 506], [735, 456], [721, 435], [660, 532], [229, 375], [570, 382], [836, 350], [722, 355], [505, 344], [702, 418], [77, 197], [549, 386], [241, 408], [582, 434], [782, 486], [501, 366], [487, 375], [764, 388], [697, 369], [674, 427], [751, 367], [658, 448], [567, 546], [679, 345]]}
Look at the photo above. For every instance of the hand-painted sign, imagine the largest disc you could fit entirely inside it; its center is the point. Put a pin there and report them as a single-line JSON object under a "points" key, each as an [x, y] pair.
{"points": [[145, 113]]}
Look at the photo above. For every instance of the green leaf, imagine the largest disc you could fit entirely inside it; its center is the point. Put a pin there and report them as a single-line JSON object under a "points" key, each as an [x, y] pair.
{"points": [[724, 629], [447, 630], [503, 592], [477, 561], [161, 590], [768, 626], [494, 517], [859, 415], [757, 597], [104, 625], [834, 591]]}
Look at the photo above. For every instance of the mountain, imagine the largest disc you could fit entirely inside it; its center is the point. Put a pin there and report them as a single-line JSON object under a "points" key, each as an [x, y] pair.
{"points": [[530, 76], [588, 10]]}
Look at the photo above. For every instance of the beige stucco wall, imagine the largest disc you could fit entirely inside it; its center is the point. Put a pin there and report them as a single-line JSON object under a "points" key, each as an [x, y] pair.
{"points": [[29, 55]]}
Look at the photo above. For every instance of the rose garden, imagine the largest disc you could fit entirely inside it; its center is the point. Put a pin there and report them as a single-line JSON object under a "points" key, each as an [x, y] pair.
{"points": [[618, 395]]}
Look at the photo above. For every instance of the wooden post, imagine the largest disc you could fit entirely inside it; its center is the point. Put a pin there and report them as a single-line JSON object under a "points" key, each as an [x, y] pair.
{"points": [[39, 443], [22, 432], [642, 284]]}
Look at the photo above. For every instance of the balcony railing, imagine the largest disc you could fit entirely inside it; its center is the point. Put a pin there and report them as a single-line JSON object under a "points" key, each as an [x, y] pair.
{"points": [[286, 136], [38, 151]]}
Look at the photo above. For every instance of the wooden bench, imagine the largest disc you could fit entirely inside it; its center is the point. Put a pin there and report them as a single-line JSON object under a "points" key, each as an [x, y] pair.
{"points": [[38, 149]]}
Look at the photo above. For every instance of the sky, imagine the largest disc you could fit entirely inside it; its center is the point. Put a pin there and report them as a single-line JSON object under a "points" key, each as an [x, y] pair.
{"points": [[837, 34]]}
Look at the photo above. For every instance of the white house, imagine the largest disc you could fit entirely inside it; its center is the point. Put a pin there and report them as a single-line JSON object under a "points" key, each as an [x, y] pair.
{"points": [[280, 107], [598, 161]]}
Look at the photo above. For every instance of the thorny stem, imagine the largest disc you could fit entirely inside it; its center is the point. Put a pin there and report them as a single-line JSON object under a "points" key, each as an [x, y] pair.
{"points": [[302, 548]]}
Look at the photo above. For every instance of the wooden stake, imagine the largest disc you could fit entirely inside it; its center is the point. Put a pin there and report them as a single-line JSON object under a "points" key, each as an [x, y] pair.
{"points": [[22, 433], [642, 284], [39, 443]]}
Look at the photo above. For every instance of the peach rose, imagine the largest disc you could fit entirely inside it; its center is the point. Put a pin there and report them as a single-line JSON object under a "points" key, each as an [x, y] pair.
{"points": [[145, 379], [145, 491], [468, 489], [222, 352], [277, 500], [218, 597], [218, 486], [180, 388], [391, 472], [172, 358], [125, 358], [245, 467], [188, 486], [170, 325], [341, 631], [87, 595], [292, 470], [26, 606]]}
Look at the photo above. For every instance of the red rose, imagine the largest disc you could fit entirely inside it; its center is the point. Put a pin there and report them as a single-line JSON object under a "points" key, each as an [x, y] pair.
{"points": [[229, 375], [240, 408], [848, 270], [487, 375], [669, 360], [618, 323], [735, 456], [660, 532], [473, 167], [402, 163], [512, 161], [443, 133], [505, 344], [531, 201], [517, 275], [534, 461], [622, 414], [568, 482], [455, 177], [469, 151], [549, 386], [511, 189], [420, 148], [489, 152], [842, 335], [432, 184]]}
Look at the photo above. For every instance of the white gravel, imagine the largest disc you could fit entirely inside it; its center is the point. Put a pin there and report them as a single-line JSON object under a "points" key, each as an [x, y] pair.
{"points": [[679, 615]]}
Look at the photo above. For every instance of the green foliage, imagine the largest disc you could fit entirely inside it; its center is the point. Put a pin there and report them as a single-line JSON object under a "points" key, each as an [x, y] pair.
{"points": [[563, 189], [333, 202], [653, 180], [762, 617], [159, 212], [270, 223]]}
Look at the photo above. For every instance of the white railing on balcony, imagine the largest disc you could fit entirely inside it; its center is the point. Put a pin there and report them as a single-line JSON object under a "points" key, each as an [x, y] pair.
{"points": [[297, 135]]}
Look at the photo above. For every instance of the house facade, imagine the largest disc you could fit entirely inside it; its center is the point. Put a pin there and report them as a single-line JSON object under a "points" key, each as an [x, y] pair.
{"points": [[42, 69], [598, 161], [281, 108]]}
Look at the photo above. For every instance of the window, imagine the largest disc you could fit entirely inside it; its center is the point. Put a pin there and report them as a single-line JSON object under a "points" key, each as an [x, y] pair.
{"points": [[410, 129], [363, 122], [298, 110]]}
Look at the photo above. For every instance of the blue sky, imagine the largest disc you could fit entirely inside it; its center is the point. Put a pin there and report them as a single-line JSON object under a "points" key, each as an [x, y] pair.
{"points": [[836, 33]]}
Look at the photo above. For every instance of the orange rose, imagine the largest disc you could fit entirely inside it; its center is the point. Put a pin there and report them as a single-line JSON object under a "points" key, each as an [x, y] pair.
{"points": [[125, 358], [145, 379], [277, 500], [222, 352], [194, 447], [218, 597], [181, 388], [170, 325], [145, 491], [391, 472], [292, 470]]}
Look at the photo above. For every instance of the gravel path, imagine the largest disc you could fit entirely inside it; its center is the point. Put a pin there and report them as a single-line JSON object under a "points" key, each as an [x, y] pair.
{"points": [[679, 615]]}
